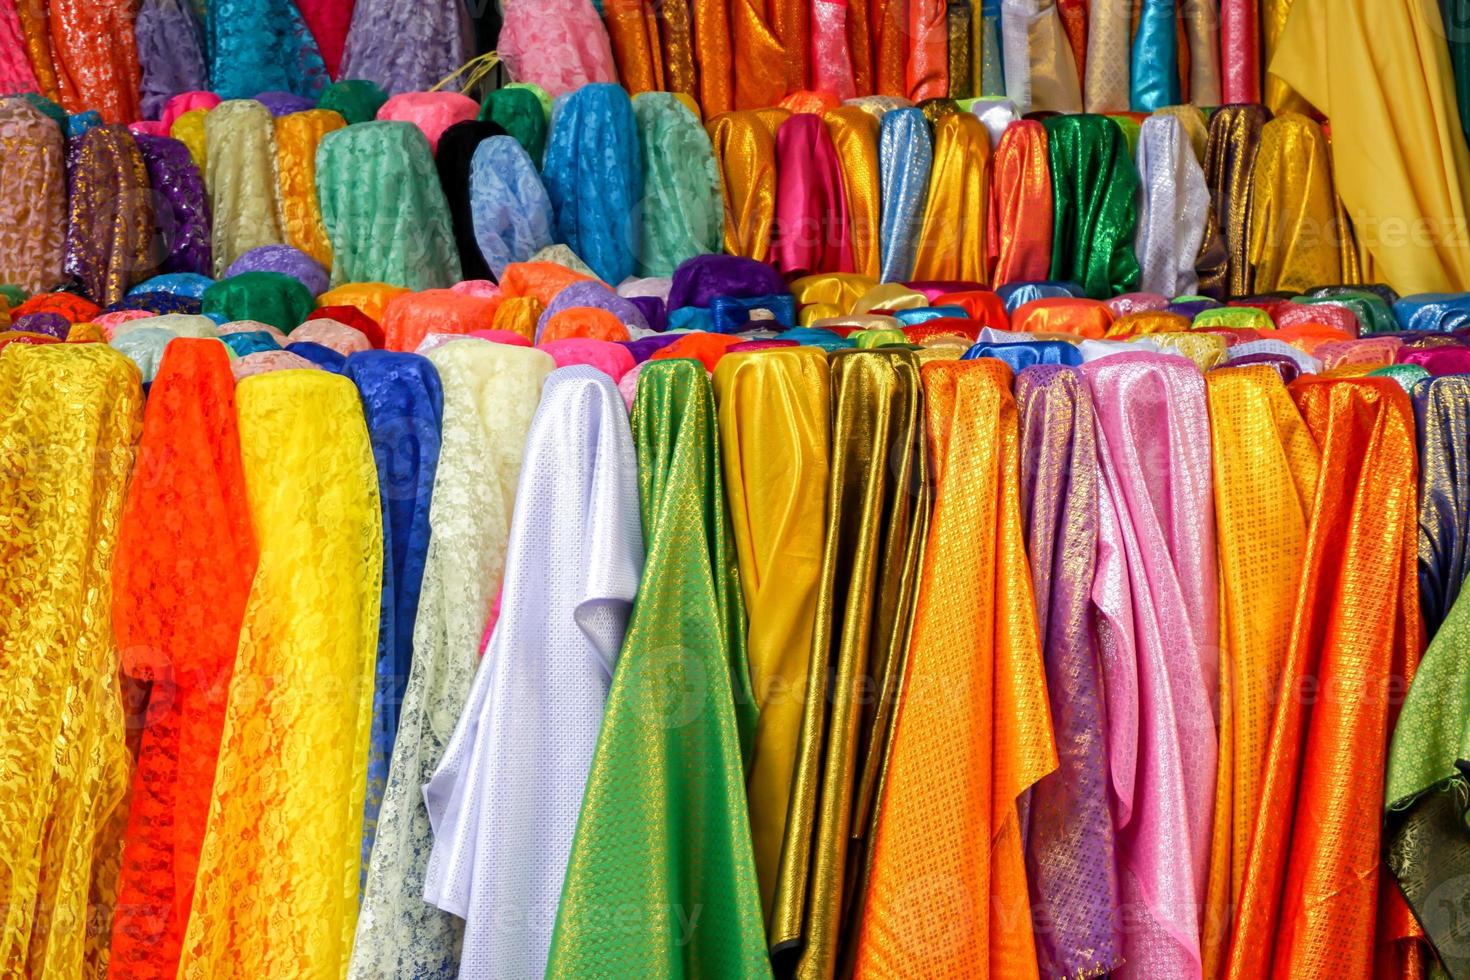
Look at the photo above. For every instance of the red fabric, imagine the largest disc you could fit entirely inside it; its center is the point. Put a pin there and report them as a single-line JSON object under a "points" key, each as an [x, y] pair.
{"points": [[73, 307], [328, 21], [981, 304], [1240, 57], [945, 326], [590, 322], [707, 348], [354, 318]]}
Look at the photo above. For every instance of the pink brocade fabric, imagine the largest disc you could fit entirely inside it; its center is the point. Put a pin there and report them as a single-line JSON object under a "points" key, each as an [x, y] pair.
{"points": [[15, 68], [1240, 59], [811, 205], [831, 62]]}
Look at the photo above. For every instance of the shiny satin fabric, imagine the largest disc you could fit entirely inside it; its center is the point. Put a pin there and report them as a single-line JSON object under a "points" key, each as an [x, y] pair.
{"points": [[1095, 209], [240, 173], [1444, 506], [828, 295], [759, 59], [957, 27], [1019, 217], [110, 227], [926, 67], [855, 136], [877, 520], [1070, 861], [1173, 209], [1293, 226], [745, 152], [1240, 52], [1154, 79], [953, 237], [297, 138], [954, 776], [177, 631], [812, 233], [61, 505], [1313, 907], [683, 213], [987, 67], [1156, 593], [774, 423], [905, 159], [1063, 315], [633, 30], [1261, 450], [1230, 161]]}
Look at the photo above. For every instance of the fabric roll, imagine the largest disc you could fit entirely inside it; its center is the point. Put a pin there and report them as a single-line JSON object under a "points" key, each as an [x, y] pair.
{"points": [[239, 171], [1019, 217], [1230, 162], [1154, 70], [261, 46], [1444, 510], [773, 423], [519, 110], [952, 241], [1201, 50], [1095, 208], [181, 204], [297, 137], [926, 67], [633, 33], [1173, 208], [595, 135], [1106, 78], [877, 517], [1240, 51], [1155, 589], [759, 59], [1293, 226], [509, 207], [297, 723], [558, 46], [905, 160], [490, 395], [89, 58], [811, 228], [33, 193], [683, 213], [68, 775], [855, 135], [1041, 73], [383, 209], [406, 47], [745, 152], [110, 227], [457, 147], [171, 57]]}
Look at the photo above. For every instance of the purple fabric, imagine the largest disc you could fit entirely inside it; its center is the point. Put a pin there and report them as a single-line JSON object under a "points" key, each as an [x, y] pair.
{"points": [[181, 205], [286, 260], [699, 280], [653, 311], [284, 103], [591, 293], [170, 53], [51, 324], [1289, 369], [645, 347], [406, 47], [1192, 308]]}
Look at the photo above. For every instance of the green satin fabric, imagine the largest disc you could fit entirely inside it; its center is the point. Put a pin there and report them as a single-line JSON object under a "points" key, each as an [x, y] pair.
{"points": [[663, 842], [521, 111], [683, 212], [1374, 315], [1095, 187], [877, 516]]}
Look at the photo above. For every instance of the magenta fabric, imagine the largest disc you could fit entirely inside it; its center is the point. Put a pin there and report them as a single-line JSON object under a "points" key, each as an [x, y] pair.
{"points": [[768, 344], [186, 102], [1436, 360], [328, 21], [432, 112], [15, 67], [811, 205], [610, 358], [148, 127], [933, 289]]}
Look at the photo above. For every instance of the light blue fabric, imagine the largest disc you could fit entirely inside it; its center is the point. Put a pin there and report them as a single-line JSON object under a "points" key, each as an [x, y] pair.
{"points": [[594, 177], [1020, 356], [252, 342], [827, 340], [261, 46], [189, 284], [1155, 60], [923, 314], [1433, 312], [905, 158], [508, 204], [992, 68], [1017, 294]]}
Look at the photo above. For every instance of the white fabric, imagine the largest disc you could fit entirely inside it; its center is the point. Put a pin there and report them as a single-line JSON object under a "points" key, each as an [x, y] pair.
{"points": [[996, 115], [1304, 361], [505, 800], [1172, 207], [1091, 350], [490, 395]]}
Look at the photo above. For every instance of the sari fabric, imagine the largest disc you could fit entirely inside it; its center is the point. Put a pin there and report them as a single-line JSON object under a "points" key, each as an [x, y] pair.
{"points": [[67, 767], [454, 156], [745, 152], [297, 137], [240, 162], [854, 133], [406, 45], [952, 240], [383, 209], [905, 160], [1230, 163], [1019, 216], [261, 46], [1095, 189], [673, 754], [683, 215], [1440, 409], [490, 395], [1314, 907], [1293, 224], [509, 208], [1173, 210], [812, 233], [594, 177], [110, 229], [876, 521], [178, 599], [1105, 76], [297, 725], [171, 55], [181, 205]]}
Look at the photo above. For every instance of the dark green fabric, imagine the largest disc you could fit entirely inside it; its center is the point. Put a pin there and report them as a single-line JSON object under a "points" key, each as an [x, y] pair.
{"points": [[268, 297], [1095, 188], [354, 99], [520, 113]]}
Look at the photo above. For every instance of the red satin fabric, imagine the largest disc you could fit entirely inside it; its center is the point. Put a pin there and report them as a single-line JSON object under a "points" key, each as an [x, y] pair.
{"points": [[1020, 220], [1240, 57], [811, 204]]}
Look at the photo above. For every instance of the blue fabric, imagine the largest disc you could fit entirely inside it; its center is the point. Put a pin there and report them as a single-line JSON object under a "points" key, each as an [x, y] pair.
{"points": [[322, 357], [261, 46], [403, 404], [157, 303], [187, 284], [509, 208], [252, 342], [691, 318], [78, 123], [1018, 294], [1155, 62], [1433, 312], [731, 314], [594, 178], [827, 340], [905, 158], [923, 314], [1028, 353]]}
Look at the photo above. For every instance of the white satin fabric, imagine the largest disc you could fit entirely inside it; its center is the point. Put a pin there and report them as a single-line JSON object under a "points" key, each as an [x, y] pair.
{"points": [[1173, 204]]}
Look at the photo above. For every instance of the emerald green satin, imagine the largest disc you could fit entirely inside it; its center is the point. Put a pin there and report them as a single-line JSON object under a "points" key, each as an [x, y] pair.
{"points": [[1095, 189]]}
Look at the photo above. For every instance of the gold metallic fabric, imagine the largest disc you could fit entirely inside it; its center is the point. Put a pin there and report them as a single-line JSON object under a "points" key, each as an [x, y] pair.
{"points": [[632, 27], [759, 59], [854, 134], [1105, 82], [297, 135], [890, 296], [745, 151], [1277, 95], [1206, 350], [961, 77], [1230, 159], [714, 53], [1146, 322], [791, 24], [518, 314], [952, 242], [877, 518], [773, 419], [37, 31], [676, 35], [890, 47], [830, 290], [1293, 243]]}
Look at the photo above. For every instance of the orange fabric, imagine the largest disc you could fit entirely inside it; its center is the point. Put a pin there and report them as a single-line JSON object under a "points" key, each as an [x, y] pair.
{"points": [[372, 298], [1019, 225], [185, 559], [1146, 322], [815, 103], [632, 27], [946, 326], [980, 304], [707, 348], [519, 314], [947, 893], [410, 318], [85, 333], [926, 71], [1309, 335], [96, 57], [760, 60], [591, 322], [73, 307], [542, 280], [1081, 317]]}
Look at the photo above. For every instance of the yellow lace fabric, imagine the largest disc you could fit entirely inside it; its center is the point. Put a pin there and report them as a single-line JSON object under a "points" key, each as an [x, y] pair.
{"points": [[69, 420], [276, 892], [240, 172], [297, 135]]}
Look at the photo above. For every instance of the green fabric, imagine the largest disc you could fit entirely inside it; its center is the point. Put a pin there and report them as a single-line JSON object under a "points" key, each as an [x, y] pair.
{"points": [[1374, 315], [52, 111], [268, 297], [522, 113], [1131, 128], [1407, 375], [353, 99], [877, 337], [1236, 317], [1095, 188], [13, 295], [1457, 31], [683, 210], [664, 835]]}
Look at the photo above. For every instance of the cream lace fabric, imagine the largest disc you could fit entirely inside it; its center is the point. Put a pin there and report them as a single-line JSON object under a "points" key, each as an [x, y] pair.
{"points": [[490, 395], [239, 170]]}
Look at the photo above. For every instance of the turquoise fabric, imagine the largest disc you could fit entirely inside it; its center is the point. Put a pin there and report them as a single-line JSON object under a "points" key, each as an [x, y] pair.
{"points": [[261, 46], [683, 211], [1155, 70]]}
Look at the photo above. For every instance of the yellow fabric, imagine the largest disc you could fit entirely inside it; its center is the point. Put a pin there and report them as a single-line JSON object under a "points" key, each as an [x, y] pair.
{"points": [[372, 298], [65, 766], [854, 133], [1206, 350], [826, 292], [189, 130], [1278, 96], [518, 314], [890, 296], [297, 136], [773, 438], [295, 736], [1293, 244], [1381, 73], [952, 243], [1265, 467], [745, 152]]}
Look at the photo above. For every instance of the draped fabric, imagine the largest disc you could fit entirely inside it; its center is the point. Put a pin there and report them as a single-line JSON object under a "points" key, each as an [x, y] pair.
{"points": [[33, 196], [1383, 76], [1041, 72], [490, 396], [663, 827], [92, 58], [181, 205], [812, 233], [518, 110], [683, 213], [1261, 450], [1440, 409], [926, 67], [953, 238], [854, 133], [504, 800], [949, 806], [1230, 162], [67, 768], [1293, 225], [382, 207], [760, 64], [1173, 208], [267, 297], [558, 46], [453, 157], [171, 56], [109, 235], [594, 177], [296, 728], [1155, 589], [406, 45], [773, 425], [1019, 216], [328, 21], [240, 174], [905, 160], [16, 74], [178, 598], [354, 99], [509, 208], [745, 152], [1154, 81], [261, 46], [633, 32], [403, 405], [877, 512], [1314, 908], [297, 137], [1067, 827], [1095, 209]]}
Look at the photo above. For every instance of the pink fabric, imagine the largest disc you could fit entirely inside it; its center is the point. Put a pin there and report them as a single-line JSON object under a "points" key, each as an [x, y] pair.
{"points": [[1135, 303], [831, 64], [559, 45], [613, 360], [758, 345], [262, 362], [148, 127], [186, 102], [1158, 627], [1331, 314], [16, 74], [328, 21], [476, 287], [329, 333], [628, 385], [1438, 360], [1367, 350], [109, 322], [508, 337], [811, 204], [431, 112]]}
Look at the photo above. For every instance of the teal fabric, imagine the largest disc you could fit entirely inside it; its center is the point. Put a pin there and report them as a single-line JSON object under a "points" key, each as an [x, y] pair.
{"points": [[683, 211]]}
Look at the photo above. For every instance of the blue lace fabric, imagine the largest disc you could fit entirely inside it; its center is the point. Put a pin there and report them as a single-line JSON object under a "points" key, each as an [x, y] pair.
{"points": [[261, 46]]}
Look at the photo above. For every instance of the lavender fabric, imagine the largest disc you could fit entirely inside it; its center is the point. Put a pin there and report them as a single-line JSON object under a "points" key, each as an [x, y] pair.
{"points": [[589, 293], [170, 53], [181, 205], [653, 310], [645, 347], [699, 280], [284, 103], [51, 324], [285, 260], [406, 45]]}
